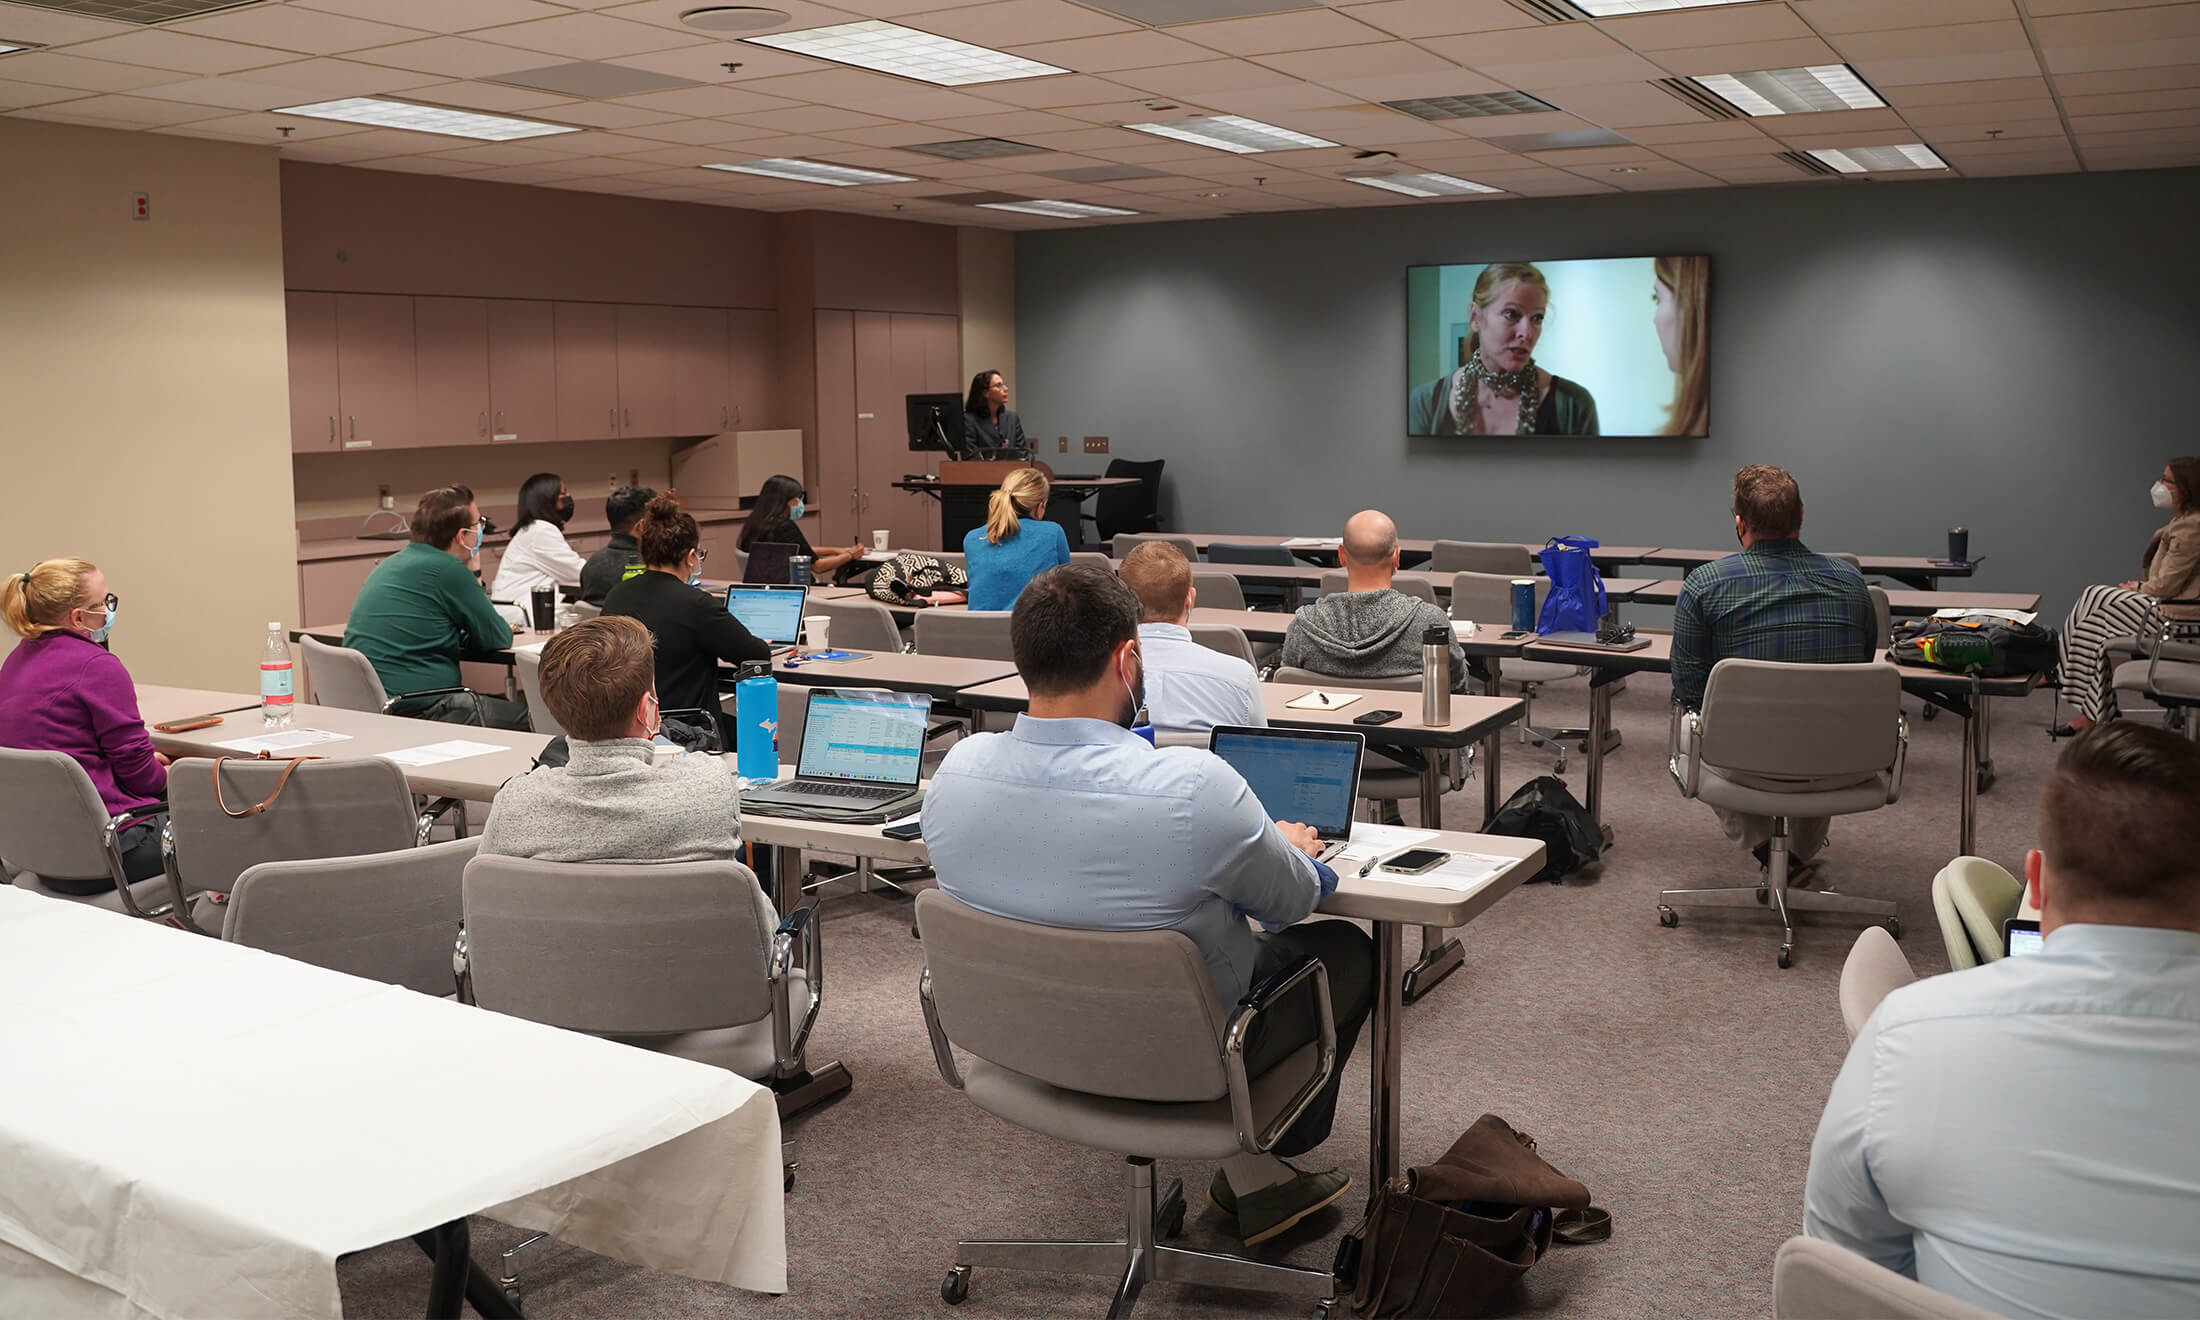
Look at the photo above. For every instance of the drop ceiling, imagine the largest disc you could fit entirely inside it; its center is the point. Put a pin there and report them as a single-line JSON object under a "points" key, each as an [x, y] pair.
{"points": [[1993, 87]]}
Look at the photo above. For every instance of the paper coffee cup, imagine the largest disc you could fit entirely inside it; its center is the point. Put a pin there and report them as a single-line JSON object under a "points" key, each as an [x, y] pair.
{"points": [[879, 539], [818, 629]]}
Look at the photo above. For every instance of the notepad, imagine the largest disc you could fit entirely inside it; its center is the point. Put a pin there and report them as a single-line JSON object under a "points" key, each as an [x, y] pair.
{"points": [[286, 741], [1313, 542], [1319, 700]]}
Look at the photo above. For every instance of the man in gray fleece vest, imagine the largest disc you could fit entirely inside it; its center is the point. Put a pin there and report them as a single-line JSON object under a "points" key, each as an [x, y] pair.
{"points": [[1369, 630]]}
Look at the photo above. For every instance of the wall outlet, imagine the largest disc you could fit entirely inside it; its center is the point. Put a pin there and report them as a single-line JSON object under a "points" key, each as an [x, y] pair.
{"points": [[1062, 443], [633, 476], [382, 497], [610, 482], [1096, 444]]}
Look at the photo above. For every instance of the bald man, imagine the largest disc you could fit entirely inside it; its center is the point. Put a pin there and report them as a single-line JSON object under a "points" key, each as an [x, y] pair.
{"points": [[1370, 629]]}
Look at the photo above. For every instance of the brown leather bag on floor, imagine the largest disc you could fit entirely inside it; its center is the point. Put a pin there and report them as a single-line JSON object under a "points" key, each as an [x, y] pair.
{"points": [[1418, 1254]]}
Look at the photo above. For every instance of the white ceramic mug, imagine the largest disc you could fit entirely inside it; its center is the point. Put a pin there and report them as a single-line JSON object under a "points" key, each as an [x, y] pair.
{"points": [[878, 539], [818, 628]]}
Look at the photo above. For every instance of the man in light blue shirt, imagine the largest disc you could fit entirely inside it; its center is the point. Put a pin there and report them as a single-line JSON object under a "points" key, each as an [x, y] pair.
{"points": [[1072, 820], [1189, 688], [2021, 1135]]}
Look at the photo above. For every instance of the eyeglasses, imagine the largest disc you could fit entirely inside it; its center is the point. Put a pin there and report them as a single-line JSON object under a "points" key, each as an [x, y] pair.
{"points": [[111, 602], [700, 556]]}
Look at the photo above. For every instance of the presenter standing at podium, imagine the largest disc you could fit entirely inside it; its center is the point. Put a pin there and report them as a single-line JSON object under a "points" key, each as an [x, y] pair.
{"points": [[989, 427]]}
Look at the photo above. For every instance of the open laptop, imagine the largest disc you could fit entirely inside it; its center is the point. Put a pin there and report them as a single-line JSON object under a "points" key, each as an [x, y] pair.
{"points": [[771, 614], [861, 755], [1305, 775]]}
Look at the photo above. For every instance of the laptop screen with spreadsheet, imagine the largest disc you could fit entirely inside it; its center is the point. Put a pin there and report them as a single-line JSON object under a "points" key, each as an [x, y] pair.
{"points": [[861, 736], [1302, 775], [772, 614]]}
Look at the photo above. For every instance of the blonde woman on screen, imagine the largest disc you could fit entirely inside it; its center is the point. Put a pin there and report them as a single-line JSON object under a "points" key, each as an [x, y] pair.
{"points": [[1016, 544], [1680, 291], [1498, 389]]}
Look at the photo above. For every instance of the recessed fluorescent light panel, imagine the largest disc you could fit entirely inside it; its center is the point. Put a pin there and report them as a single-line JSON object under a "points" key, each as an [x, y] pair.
{"points": [[1232, 133], [10, 47], [906, 53], [427, 119], [1476, 106], [1792, 91], [975, 148], [1422, 185], [1062, 210], [1619, 8], [811, 171], [1876, 160]]}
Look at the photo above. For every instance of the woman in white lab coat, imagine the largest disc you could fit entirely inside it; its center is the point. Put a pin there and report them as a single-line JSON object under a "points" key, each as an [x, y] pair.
{"points": [[538, 555]]}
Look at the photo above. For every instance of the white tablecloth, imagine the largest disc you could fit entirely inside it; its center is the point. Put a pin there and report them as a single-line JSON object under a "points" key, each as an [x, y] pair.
{"points": [[189, 1128]]}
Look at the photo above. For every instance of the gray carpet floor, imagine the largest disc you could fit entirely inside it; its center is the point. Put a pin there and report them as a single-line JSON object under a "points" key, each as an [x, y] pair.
{"points": [[1679, 1073]]}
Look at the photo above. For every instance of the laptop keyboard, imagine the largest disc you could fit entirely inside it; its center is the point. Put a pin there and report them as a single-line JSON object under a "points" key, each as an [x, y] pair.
{"points": [[858, 791]]}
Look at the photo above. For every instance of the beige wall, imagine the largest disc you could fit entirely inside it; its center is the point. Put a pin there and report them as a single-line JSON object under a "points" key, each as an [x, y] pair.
{"points": [[335, 484], [147, 409], [987, 262]]}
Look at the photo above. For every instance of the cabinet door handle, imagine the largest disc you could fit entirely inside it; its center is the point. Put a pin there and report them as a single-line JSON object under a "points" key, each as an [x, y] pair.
{"points": [[500, 419], [626, 415], [866, 499], [351, 428], [485, 423], [725, 418], [332, 428], [737, 414], [853, 497], [614, 421]]}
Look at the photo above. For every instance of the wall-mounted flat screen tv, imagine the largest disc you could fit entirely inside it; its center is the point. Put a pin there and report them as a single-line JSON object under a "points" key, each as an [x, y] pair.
{"points": [[1615, 346]]}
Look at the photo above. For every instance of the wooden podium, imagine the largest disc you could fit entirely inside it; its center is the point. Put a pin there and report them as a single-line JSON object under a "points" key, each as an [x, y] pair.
{"points": [[963, 489]]}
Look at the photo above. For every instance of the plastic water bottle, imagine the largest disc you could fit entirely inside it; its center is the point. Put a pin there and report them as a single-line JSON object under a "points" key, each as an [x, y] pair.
{"points": [[275, 687], [756, 725]]}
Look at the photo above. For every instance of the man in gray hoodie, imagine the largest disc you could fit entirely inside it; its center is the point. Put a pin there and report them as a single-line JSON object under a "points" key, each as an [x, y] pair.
{"points": [[1369, 630]]}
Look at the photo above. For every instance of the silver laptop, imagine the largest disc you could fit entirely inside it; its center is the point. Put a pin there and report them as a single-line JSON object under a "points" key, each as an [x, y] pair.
{"points": [[1305, 775], [862, 753], [771, 614]]}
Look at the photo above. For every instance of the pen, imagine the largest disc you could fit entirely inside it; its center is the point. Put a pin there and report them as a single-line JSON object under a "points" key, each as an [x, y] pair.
{"points": [[1371, 863]]}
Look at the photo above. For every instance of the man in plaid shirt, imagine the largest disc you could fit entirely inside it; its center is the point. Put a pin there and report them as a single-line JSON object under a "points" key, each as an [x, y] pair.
{"points": [[1773, 601]]}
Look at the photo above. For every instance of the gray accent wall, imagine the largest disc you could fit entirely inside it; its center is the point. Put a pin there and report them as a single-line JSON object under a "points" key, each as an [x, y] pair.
{"points": [[2013, 355]]}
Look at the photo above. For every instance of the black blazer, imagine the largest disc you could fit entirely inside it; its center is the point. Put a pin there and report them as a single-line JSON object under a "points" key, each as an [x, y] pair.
{"points": [[1008, 433], [693, 633]]}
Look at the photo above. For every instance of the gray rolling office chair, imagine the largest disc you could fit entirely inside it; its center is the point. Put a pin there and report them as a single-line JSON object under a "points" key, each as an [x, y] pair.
{"points": [[680, 957], [54, 826], [976, 634], [1336, 580], [1226, 639], [1125, 542], [1116, 1041], [860, 625], [1091, 557], [1882, 617], [1217, 591], [740, 563], [1259, 595], [955, 557], [344, 678], [1382, 779], [331, 808], [1853, 561], [1875, 967], [528, 666], [1972, 897], [1501, 557], [1786, 740], [1814, 1280], [2164, 667], [388, 916], [1486, 598]]}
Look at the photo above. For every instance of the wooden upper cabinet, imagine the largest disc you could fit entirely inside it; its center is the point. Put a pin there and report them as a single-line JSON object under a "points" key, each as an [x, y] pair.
{"points": [[664, 387], [309, 325], [523, 372], [375, 372], [587, 336], [702, 387], [451, 353], [753, 349]]}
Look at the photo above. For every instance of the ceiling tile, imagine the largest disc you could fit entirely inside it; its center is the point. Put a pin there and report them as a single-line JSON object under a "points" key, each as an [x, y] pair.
{"points": [[704, 102], [400, 142], [916, 101], [2155, 23], [701, 132], [2136, 80], [706, 63], [1838, 16], [1955, 39], [1013, 124], [339, 78], [1193, 81], [1302, 29], [1532, 78], [1617, 105], [1883, 74], [829, 85], [1961, 93], [590, 37], [1128, 50], [51, 28], [1409, 86], [886, 135], [263, 127], [2128, 55], [163, 48], [1060, 90], [1999, 132], [453, 57], [1711, 130], [333, 153], [1268, 102], [437, 15], [604, 166], [1020, 22], [487, 96], [230, 93], [2118, 103], [812, 119], [419, 164], [2045, 8], [500, 153], [1439, 18], [51, 67], [1724, 25], [1365, 61], [286, 27], [1562, 41], [1748, 56], [141, 111], [610, 114], [14, 95]]}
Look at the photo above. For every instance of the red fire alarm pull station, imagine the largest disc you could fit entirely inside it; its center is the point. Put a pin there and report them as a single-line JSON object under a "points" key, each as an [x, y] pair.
{"points": [[141, 206]]}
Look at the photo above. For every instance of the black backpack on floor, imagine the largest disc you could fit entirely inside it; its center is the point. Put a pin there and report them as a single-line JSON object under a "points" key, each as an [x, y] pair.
{"points": [[1543, 809]]}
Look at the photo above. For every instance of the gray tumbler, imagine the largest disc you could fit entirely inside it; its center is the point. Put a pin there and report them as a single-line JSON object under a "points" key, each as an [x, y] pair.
{"points": [[798, 570], [1436, 675]]}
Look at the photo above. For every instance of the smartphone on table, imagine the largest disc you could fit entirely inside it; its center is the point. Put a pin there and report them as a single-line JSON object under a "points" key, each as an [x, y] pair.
{"points": [[1415, 861]]}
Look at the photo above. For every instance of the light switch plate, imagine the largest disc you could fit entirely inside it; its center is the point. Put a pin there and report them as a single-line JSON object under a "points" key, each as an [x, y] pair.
{"points": [[1062, 443], [1096, 444]]}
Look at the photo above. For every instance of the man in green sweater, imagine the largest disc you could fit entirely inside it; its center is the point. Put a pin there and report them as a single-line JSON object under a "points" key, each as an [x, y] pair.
{"points": [[422, 611]]}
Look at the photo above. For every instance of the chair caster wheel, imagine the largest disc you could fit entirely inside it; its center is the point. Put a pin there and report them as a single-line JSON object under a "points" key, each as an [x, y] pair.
{"points": [[1894, 927], [956, 1289], [1324, 1307], [1667, 917], [786, 1183], [1172, 1223], [1931, 711], [1559, 767], [1787, 955], [511, 1294], [1764, 896]]}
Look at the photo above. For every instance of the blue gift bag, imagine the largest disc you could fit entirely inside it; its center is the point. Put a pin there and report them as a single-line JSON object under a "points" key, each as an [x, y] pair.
{"points": [[1576, 602]]}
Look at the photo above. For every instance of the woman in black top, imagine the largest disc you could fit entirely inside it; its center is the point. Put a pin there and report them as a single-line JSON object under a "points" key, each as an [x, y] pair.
{"points": [[773, 518], [988, 424], [692, 628]]}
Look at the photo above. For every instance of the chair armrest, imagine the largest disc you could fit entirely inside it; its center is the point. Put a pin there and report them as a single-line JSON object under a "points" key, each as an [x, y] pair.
{"points": [[1901, 756], [943, 1054], [1685, 776], [788, 1039], [462, 971], [180, 912], [110, 843], [1259, 1000], [392, 703], [429, 815]]}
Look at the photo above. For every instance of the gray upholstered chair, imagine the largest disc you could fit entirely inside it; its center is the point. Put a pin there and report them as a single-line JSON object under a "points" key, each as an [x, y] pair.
{"points": [[1261, 595], [2163, 666], [1336, 580], [528, 666], [1972, 897], [1486, 598], [1382, 779], [53, 824], [327, 808], [388, 916], [977, 634], [1226, 639], [1091, 557], [1217, 591], [1500, 557], [1875, 966], [859, 625], [1116, 1041], [1125, 542], [346, 679], [954, 557], [1882, 617], [1786, 740], [1814, 1280], [681, 957]]}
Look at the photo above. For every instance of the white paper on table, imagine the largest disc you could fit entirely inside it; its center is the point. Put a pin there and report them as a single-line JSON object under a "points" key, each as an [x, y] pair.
{"points": [[282, 742], [1313, 542], [2013, 616], [529, 648], [1463, 872], [1369, 841], [437, 753]]}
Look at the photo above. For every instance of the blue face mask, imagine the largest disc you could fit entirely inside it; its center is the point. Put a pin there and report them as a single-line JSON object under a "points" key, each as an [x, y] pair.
{"points": [[99, 634], [794, 510]]}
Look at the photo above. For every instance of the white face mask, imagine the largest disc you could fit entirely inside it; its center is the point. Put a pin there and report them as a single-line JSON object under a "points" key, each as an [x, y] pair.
{"points": [[2161, 493]]}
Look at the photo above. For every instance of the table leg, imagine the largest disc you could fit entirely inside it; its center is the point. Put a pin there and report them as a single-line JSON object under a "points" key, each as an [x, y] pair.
{"points": [[1967, 834], [1491, 753], [1600, 725], [1385, 1032], [1985, 706], [1440, 957], [457, 1281]]}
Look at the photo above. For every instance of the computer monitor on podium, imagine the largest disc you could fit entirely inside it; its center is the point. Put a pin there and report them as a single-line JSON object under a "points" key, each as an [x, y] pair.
{"points": [[936, 422]]}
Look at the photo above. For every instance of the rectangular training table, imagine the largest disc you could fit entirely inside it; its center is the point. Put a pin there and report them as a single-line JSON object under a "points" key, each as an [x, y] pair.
{"points": [[1911, 570]]}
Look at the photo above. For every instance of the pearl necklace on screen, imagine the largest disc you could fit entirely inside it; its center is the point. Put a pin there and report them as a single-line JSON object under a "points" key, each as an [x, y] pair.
{"points": [[1463, 390]]}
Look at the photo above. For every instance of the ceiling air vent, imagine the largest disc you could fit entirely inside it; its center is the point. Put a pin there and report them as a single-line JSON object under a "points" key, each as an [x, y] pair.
{"points": [[142, 12], [1547, 11], [1691, 94], [975, 148], [1808, 163]]}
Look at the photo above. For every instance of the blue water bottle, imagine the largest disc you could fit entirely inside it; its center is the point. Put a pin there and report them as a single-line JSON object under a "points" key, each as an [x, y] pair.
{"points": [[756, 724], [1523, 603]]}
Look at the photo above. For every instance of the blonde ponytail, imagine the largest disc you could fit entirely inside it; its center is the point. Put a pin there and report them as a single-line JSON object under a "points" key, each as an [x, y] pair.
{"points": [[1025, 486], [35, 603]]}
